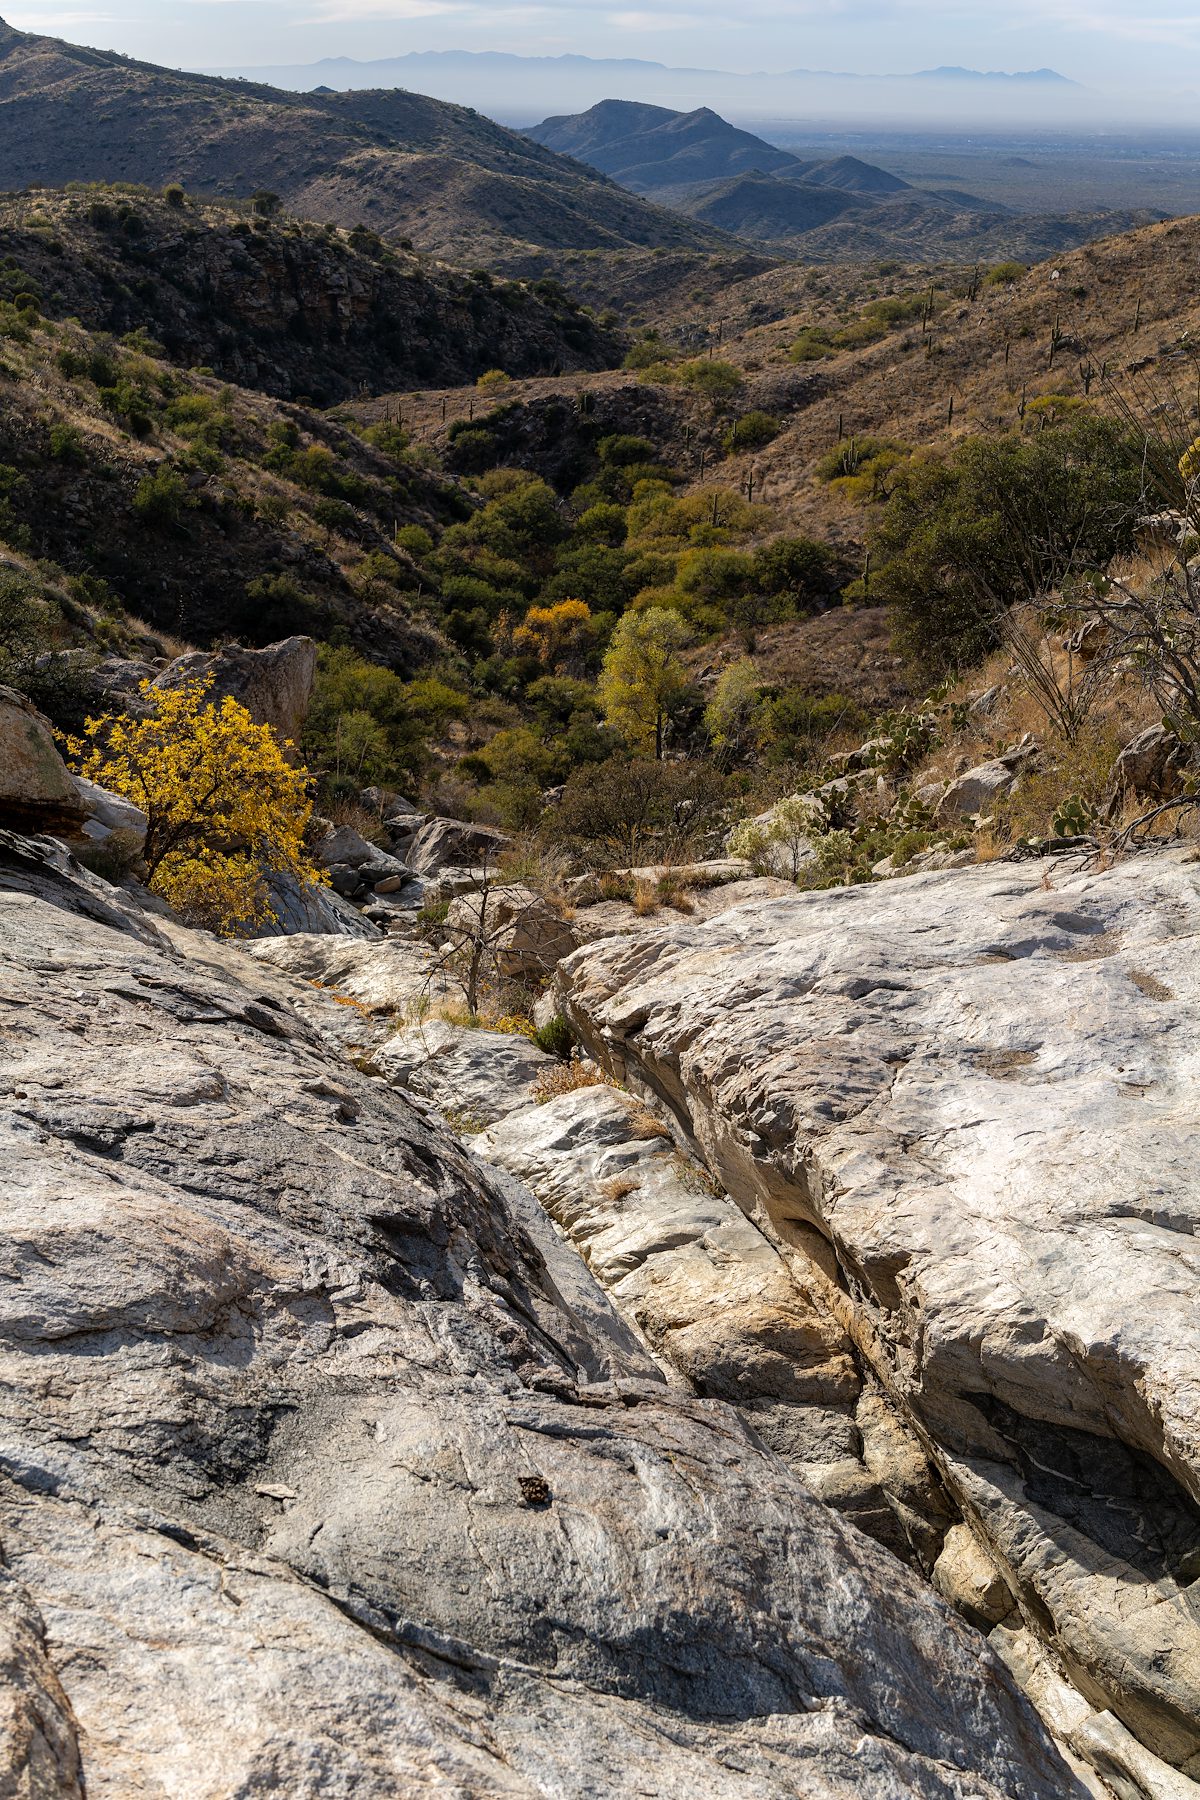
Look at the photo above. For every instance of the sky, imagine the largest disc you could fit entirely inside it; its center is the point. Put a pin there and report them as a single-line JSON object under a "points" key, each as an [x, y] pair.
{"points": [[1107, 44]]}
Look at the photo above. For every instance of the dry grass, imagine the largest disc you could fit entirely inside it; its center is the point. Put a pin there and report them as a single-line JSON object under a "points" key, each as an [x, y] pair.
{"points": [[1150, 985], [618, 1187], [646, 899], [647, 1124], [568, 1078]]}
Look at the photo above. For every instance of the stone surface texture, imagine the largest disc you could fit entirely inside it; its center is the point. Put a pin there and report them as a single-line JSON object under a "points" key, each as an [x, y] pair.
{"points": [[37, 790], [274, 685], [474, 1076], [982, 1091], [326, 1469]]}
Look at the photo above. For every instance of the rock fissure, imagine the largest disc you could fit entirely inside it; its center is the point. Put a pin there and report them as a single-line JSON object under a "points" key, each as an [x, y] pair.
{"points": [[942, 1276]]}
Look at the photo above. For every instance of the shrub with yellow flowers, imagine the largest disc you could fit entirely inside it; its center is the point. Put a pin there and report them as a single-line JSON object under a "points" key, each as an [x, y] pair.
{"points": [[225, 807]]}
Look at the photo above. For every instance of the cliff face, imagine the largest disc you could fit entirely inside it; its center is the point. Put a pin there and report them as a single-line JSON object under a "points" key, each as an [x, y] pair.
{"points": [[965, 1105], [327, 1467]]}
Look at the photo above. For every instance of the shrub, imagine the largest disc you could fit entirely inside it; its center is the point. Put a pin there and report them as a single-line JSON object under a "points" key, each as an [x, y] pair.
{"points": [[160, 499], [174, 195], [493, 381], [208, 779], [999, 521], [752, 431], [717, 379]]}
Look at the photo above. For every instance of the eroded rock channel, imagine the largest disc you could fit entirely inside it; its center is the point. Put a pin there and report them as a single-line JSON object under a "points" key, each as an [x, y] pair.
{"points": [[964, 1107]]}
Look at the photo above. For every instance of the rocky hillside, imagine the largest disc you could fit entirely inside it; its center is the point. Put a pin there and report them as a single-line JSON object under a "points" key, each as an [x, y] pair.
{"points": [[441, 176], [281, 306]]}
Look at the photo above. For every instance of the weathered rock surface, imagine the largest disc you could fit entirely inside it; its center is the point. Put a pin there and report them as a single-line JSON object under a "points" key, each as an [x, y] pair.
{"points": [[717, 1302], [386, 975], [304, 906], [37, 790], [976, 789], [322, 1475], [274, 685], [441, 844], [108, 813], [983, 1090], [475, 1076]]}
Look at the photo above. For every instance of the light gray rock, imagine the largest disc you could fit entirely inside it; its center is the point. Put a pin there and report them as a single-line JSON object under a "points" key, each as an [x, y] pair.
{"points": [[344, 845], [474, 1076], [274, 685], [317, 1480], [716, 1301], [979, 788], [982, 1090], [442, 844], [108, 812], [387, 975]]}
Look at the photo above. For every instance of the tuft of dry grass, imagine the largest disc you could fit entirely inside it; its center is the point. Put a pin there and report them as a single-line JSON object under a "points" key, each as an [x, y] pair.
{"points": [[617, 1187], [646, 900], [568, 1078]]}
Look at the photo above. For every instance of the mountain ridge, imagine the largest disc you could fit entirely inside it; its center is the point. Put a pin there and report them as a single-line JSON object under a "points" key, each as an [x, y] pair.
{"points": [[410, 167]]}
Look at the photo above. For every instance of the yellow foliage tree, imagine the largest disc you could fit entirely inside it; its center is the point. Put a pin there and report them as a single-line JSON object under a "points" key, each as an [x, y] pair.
{"points": [[642, 675], [560, 636], [224, 805]]}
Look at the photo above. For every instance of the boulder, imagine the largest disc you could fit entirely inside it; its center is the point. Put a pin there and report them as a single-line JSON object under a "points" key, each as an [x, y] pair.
{"points": [[108, 813], [342, 844], [520, 933], [307, 907], [981, 1090], [37, 790], [274, 685], [449, 843], [1155, 765], [329, 1470], [976, 789], [474, 1077]]}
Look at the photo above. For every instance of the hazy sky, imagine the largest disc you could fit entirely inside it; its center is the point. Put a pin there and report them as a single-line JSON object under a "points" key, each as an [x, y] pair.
{"points": [[1108, 43]]}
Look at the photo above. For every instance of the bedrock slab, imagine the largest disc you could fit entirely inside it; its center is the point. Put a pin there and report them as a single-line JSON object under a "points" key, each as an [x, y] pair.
{"points": [[983, 1089], [326, 1469]]}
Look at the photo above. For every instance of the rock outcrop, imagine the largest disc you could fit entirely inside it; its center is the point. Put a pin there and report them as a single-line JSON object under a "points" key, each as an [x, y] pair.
{"points": [[37, 790], [982, 1091], [327, 1470], [274, 684]]}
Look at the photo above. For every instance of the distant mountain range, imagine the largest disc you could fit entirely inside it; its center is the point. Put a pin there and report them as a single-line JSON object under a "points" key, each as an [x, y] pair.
{"points": [[519, 89]]}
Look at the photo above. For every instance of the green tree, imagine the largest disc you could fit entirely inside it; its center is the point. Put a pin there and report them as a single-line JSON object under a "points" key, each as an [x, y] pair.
{"points": [[731, 716], [642, 676], [998, 522]]}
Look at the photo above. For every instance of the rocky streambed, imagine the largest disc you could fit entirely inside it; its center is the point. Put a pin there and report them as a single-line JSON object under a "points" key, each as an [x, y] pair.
{"points": [[780, 1424]]}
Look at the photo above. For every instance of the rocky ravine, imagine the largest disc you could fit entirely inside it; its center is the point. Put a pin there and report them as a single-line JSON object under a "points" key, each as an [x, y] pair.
{"points": [[980, 1091], [327, 1469]]}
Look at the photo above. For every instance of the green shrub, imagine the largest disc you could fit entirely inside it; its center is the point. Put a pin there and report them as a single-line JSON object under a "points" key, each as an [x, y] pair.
{"points": [[752, 431], [161, 498]]}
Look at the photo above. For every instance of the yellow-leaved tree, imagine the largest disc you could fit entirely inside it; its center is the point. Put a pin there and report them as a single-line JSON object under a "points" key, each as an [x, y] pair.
{"points": [[224, 805], [559, 636], [642, 676]]}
